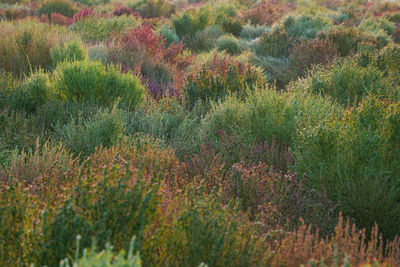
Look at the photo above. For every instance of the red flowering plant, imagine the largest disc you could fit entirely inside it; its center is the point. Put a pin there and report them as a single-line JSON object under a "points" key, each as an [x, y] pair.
{"points": [[161, 67]]}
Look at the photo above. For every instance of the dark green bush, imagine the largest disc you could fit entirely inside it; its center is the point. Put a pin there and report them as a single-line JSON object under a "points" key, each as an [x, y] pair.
{"points": [[229, 44], [305, 27], [356, 160], [83, 136], [63, 7], [91, 81], [348, 82], [275, 44], [72, 51]]}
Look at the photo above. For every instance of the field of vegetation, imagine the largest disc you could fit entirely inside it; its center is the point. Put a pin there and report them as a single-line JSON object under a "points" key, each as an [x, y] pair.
{"points": [[199, 133]]}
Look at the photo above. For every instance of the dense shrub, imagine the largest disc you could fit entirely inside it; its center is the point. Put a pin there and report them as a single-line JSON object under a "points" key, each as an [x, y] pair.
{"points": [[26, 45], [83, 136], [71, 51], [348, 82], [97, 28], [62, 7], [229, 44], [275, 44], [278, 71], [92, 81], [154, 8], [34, 92], [263, 14], [306, 54], [355, 160], [219, 79], [305, 27], [252, 32]]}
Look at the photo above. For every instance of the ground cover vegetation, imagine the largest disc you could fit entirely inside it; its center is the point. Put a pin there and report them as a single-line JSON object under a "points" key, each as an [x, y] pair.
{"points": [[199, 133]]}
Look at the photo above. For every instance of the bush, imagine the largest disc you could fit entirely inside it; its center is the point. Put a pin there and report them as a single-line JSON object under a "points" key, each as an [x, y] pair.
{"points": [[169, 35], [345, 39], [355, 160], [28, 44], [82, 137], [218, 80], [278, 71], [35, 91], [96, 28], [250, 32], [275, 44], [348, 82], [91, 81], [62, 7], [306, 54], [154, 8], [266, 115], [229, 44], [305, 27], [263, 14], [106, 257], [72, 51]]}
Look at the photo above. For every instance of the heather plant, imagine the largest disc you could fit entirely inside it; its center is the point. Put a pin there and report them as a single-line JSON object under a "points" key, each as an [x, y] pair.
{"points": [[169, 35], [278, 71], [107, 257], [221, 78], [355, 160], [35, 91], [348, 82], [27, 43], [71, 51], [154, 8], [251, 32], [99, 28], [275, 43], [306, 54], [92, 81], [82, 137], [345, 39], [263, 13], [305, 27], [229, 44], [62, 7]]}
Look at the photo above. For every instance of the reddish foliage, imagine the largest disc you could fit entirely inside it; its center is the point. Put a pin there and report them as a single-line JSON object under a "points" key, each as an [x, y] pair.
{"points": [[264, 13]]}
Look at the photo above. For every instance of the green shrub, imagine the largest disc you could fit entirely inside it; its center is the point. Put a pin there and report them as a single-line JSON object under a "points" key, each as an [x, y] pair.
{"points": [[83, 136], [35, 91], [219, 80], [27, 45], [105, 258], [345, 39], [72, 51], [91, 81], [356, 161], [275, 44], [277, 70], [348, 82], [267, 115], [251, 32], [305, 27], [63, 7], [229, 44], [94, 29], [169, 35]]}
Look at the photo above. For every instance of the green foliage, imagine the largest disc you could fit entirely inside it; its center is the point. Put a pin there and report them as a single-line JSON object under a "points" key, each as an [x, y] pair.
{"points": [[251, 32], [229, 44], [27, 45], [94, 29], [83, 136], [106, 258], [274, 44], [211, 84], [169, 35], [356, 160], [305, 27], [34, 92], [348, 82], [72, 51], [63, 7], [93, 82]]}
